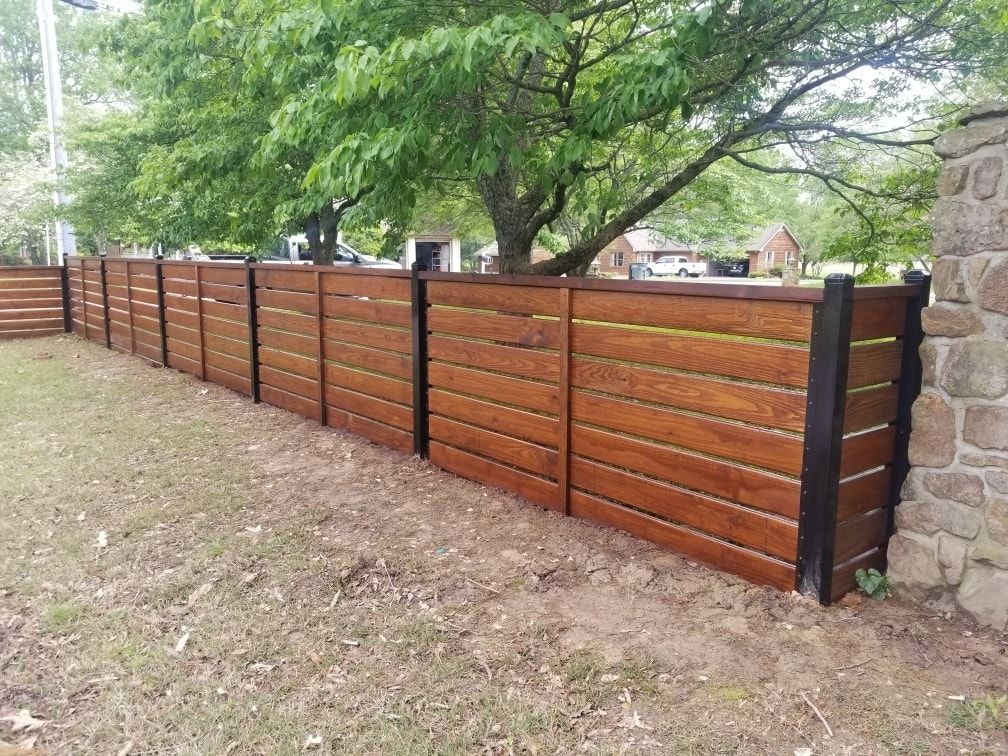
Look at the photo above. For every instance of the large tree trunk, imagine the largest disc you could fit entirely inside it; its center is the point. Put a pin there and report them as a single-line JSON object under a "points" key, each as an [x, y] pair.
{"points": [[322, 228]]}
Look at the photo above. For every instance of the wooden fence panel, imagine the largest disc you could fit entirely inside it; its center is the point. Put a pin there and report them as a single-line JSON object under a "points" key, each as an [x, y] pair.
{"points": [[31, 301]]}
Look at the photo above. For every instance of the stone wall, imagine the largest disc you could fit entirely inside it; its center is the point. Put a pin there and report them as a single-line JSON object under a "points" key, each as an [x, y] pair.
{"points": [[952, 541]]}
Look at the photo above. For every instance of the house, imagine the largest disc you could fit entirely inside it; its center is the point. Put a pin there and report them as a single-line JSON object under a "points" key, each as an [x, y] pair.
{"points": [[776, 247], [639, 246], [488, 258]]}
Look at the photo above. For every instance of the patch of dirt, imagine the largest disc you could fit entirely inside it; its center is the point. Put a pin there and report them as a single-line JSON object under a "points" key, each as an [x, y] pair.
{"points": [[266, 585]]}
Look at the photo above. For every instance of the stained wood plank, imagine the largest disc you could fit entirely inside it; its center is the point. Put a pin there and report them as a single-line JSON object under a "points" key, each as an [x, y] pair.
{"points": [[860, 535], [363, 334], [769, 363], [232, 329], [214, 343], [382, 387], [300, 279], [742, 317], [843, 574], [289, 342], [227, 362], [775, 408], [522, 454], [763, 448], [537, 490], [290, 402], [878, 318], [529, 300], [863, 494], [518, 361], [513, 422], [367, 310], [386, 435], [45, 272], [391, 363], [515, 391], [238, 383], [306, 325], [374, 287], [225, 311], [292, 363], [370, 407], [876, 362], [750, 565], [870, 407], [18, 333], [770, 535], [516, 330], [280, 299], [766, 491], [289, 382], [868, 450], [17, 295]]}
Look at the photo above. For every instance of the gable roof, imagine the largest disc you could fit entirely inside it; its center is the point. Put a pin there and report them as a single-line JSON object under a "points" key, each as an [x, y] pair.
{"points": [[758, 244], [648, 240]]}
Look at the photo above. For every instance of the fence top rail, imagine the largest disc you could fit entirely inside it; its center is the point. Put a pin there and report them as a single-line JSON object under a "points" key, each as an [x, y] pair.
{"points": [[683, 288], [347, 269], [30, 271]]}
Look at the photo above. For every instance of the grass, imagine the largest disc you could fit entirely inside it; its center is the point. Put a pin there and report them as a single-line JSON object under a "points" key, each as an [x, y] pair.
{"points": [[274, 599]]}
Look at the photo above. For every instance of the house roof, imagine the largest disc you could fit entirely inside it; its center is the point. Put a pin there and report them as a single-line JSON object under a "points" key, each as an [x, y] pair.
{"points": [[758, 244], [648, 240]]}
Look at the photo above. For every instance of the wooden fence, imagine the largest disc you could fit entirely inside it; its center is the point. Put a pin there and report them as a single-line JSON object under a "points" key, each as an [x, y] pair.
{"points": [[761, 430]]}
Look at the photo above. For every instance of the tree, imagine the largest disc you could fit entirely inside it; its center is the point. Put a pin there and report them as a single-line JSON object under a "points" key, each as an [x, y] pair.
{"points": [[600, 110]]}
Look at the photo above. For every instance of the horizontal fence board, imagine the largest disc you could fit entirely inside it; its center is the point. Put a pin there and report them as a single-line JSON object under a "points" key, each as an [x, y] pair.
{"points": [[750, 565], [224, 310], [300, 279], [224, 293], [184, 363], [291, 402], [231, 329], [28, 284], [790, 321], [287, 321], [878, 318], [377, 360], [519, 361], [768, 363], [513, 422], [239, 383], [215, 343], [516, 391], [20, 333], [292, 363], [182, 318], [368, 310], [755, 446], [863, 493], [374, 287], [289, 382], [362, 334], [873, 363], [44, 272], [871, 407], [227, 362], [382, 387], [281, 299], [146, 296], [766, 491], [508, 328], [17, 295], [368, 406], [537, 490], [717, 518], [52, 301], [860, 535], [865, 451], [386, 435], [751, 404], [180, 333], [522, 454], [185, 349], [844, 579], [506, 298], [289, 342]]}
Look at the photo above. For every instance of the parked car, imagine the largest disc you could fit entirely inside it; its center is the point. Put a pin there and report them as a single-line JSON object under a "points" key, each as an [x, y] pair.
{"points": [[294, 250], [672, 265], [737, 268]]}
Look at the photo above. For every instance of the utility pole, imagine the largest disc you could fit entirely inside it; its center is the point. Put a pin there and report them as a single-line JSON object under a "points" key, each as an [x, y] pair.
{"points": [[66, 243]]}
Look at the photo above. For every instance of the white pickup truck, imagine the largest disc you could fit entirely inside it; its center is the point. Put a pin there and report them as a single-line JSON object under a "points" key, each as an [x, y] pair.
{"points": [[676, 265]]}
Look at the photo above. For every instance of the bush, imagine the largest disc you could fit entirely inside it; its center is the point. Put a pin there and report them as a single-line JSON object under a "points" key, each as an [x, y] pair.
{"points": [[777, 272], [758, 274]]}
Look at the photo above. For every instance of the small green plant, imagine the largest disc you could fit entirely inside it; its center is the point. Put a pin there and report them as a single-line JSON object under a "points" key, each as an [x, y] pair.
{"points": [[758, 274], [874, 583], [987, 713]]}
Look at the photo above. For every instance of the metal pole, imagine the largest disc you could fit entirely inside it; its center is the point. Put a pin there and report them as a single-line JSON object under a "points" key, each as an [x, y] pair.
{"points": [[66, 243]]}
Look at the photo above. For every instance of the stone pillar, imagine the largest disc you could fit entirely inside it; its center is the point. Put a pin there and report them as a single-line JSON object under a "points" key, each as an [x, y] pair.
{"points": [[951, 546]]}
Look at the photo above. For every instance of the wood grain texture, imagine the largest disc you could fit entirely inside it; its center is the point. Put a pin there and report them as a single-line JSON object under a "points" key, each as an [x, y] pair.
{"points": [[368, 310], [754, 567], [878, 318], [292, 363], [761, 405], [844, 574], [874, 362], [754, 446], [377, 360], [526, 425], [869, 407], [860, 535], [768, 363], [295, 301], [742, 317], [287, 321], [863, 494], [514, 391], [306, 388], [389, 413], [363, 334], [290, 402], [522, 454], [867, 450], [495, 297], [757, 530], [766, 491], [373, 287], [537, 490], [518, 361], [382, 387], [386, 435], [508, 328]]}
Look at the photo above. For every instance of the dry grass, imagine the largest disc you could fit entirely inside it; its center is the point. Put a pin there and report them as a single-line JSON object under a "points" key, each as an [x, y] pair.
{"points": [[335, 597]]}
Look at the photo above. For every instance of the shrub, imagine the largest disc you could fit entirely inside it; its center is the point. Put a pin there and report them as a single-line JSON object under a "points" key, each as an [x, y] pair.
{"points": [[777, 272], [758, 274]]}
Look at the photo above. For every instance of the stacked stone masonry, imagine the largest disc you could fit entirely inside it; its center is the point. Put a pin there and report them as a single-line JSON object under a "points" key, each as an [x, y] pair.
{"points": [[951, 546]]}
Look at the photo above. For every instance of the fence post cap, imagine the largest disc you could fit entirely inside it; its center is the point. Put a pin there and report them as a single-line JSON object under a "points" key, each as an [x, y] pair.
{"points": [[914, 276]]}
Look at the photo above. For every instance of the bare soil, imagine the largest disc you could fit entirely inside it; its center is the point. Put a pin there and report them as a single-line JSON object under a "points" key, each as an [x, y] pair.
{"points": [[182, 571]]}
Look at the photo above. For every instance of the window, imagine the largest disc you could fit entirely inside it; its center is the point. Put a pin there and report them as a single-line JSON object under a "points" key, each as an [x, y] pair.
{"points": [[436, 257], [769, 258], [616, 260], [644, 257]]}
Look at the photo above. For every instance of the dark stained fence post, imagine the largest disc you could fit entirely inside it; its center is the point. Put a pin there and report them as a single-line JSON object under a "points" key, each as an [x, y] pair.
{"points": [[253, 328], [65, 293], [159, 286], [829, 353], [104, 296], [418, 306], [909, 387]]}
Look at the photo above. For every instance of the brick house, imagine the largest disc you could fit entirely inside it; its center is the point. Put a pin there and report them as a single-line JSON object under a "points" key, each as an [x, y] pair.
{"points": [[642, 245], [776, 247]]}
